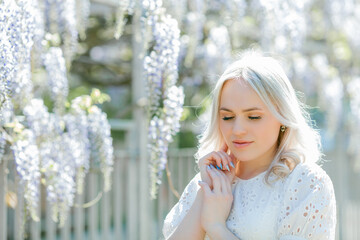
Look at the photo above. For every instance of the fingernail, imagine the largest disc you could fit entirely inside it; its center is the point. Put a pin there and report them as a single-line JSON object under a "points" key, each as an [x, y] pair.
{"points": [[221, 166], [211, 166], [218, 167], [208, 167], [227, 166], [232, 164]]}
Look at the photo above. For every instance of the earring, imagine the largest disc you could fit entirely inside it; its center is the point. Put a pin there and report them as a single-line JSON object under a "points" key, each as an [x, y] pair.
{"points": [[282, 128]]}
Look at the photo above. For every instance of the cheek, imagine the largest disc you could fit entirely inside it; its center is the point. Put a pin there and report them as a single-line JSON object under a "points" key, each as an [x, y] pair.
{"points": [[224, 128], [268, 133]]}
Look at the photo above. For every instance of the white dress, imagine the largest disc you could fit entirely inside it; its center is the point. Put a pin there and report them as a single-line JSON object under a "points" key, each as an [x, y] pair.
{"points": [[300, 206]]}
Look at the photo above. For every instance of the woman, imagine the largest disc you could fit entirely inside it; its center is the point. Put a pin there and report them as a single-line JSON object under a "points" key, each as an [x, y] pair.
{"points": [[257, 158]]}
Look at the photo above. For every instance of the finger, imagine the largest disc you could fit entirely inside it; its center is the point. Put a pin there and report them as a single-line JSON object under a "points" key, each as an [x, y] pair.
{"points": [[215, 177], [226, 160], [219, 160], [233, 159], [207, 161], [224, 147], [205, 187], [226, 184]]}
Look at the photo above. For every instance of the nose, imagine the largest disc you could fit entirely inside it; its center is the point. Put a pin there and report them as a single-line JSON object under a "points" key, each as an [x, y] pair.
{"points": [[239, 127]]}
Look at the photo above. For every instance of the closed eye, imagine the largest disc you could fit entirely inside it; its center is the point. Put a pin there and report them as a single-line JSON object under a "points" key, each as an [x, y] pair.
{"points": [[227, 118], [254, 118]]}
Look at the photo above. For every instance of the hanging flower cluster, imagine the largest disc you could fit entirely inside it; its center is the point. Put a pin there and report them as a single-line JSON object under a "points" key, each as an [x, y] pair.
{"points": [[60, 16], [165, 99], [101, 143], [281, 21], [76, 124], [82, 15], [52, 148], [55, 66], [56, 154], [125, 7], [26, 155]]}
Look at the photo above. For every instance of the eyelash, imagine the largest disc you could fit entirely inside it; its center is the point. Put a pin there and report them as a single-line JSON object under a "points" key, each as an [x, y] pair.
{"points": [[251, 118]]}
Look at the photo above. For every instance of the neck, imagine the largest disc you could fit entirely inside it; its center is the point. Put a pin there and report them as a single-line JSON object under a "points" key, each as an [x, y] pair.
{"points": [[246, 170]]}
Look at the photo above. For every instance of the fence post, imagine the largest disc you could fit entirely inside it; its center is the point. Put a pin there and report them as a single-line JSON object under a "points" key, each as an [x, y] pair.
{"points": [[3, 190], [140, 131]]}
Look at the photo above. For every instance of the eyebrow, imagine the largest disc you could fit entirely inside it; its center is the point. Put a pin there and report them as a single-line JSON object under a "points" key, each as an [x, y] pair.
{"points": [[245, 110]]}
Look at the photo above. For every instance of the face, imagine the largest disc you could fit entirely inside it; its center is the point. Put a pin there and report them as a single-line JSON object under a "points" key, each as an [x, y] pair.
{"points": [[247, 126]]}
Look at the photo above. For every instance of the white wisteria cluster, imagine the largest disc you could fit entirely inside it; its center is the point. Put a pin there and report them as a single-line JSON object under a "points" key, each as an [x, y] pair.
{"points": [[58, 168], [281, 21], [20, 32], [58, 83], [101, 143], [150, 16], [82, 16], [60, 18], [52, 148], [40, 121], [165, 99], [125, 7], [161, 65], [26, 155], [56, 150], [10, 48], [76, 125]]}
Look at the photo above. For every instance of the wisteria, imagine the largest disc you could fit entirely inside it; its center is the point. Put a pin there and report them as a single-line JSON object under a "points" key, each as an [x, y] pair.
{"points": [[161, 132], [165, 99], [101, 143], [60, 16], [82, 15], [281, 21], [125, 8], [52, 146], [38, 118], [77, 127], [58, 83], [161, 64], [9, 47], [26, 155], [58, 168], [56, 152]]}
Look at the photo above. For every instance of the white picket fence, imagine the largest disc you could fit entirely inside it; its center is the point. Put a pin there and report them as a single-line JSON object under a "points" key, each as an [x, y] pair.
{"points": [[110, 218], [118, 215]]}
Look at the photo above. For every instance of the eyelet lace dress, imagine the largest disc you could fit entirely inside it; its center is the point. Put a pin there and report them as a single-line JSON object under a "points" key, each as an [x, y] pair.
{"points": [[300, 206]]}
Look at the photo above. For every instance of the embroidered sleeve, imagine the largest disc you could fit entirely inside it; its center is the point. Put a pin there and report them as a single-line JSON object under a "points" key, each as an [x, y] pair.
{"points": [[178, 212], [309, 209]]}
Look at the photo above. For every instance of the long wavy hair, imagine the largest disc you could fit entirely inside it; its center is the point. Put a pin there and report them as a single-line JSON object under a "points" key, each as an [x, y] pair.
{"points": [[299, 143]]}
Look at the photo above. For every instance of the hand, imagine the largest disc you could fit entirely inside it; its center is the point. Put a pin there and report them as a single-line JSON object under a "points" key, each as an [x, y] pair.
{"points": [[217, 202], [221, 159]]}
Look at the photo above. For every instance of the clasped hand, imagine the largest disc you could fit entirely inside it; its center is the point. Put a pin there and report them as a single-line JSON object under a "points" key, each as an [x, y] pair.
{"points": [[216, 187]]}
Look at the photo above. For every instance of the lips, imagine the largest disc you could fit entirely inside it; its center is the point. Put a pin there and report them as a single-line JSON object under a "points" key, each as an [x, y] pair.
{"points": [[241, 144]]}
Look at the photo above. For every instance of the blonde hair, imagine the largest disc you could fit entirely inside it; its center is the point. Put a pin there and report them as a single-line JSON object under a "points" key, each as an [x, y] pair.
{"points": [[299, 143]]}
